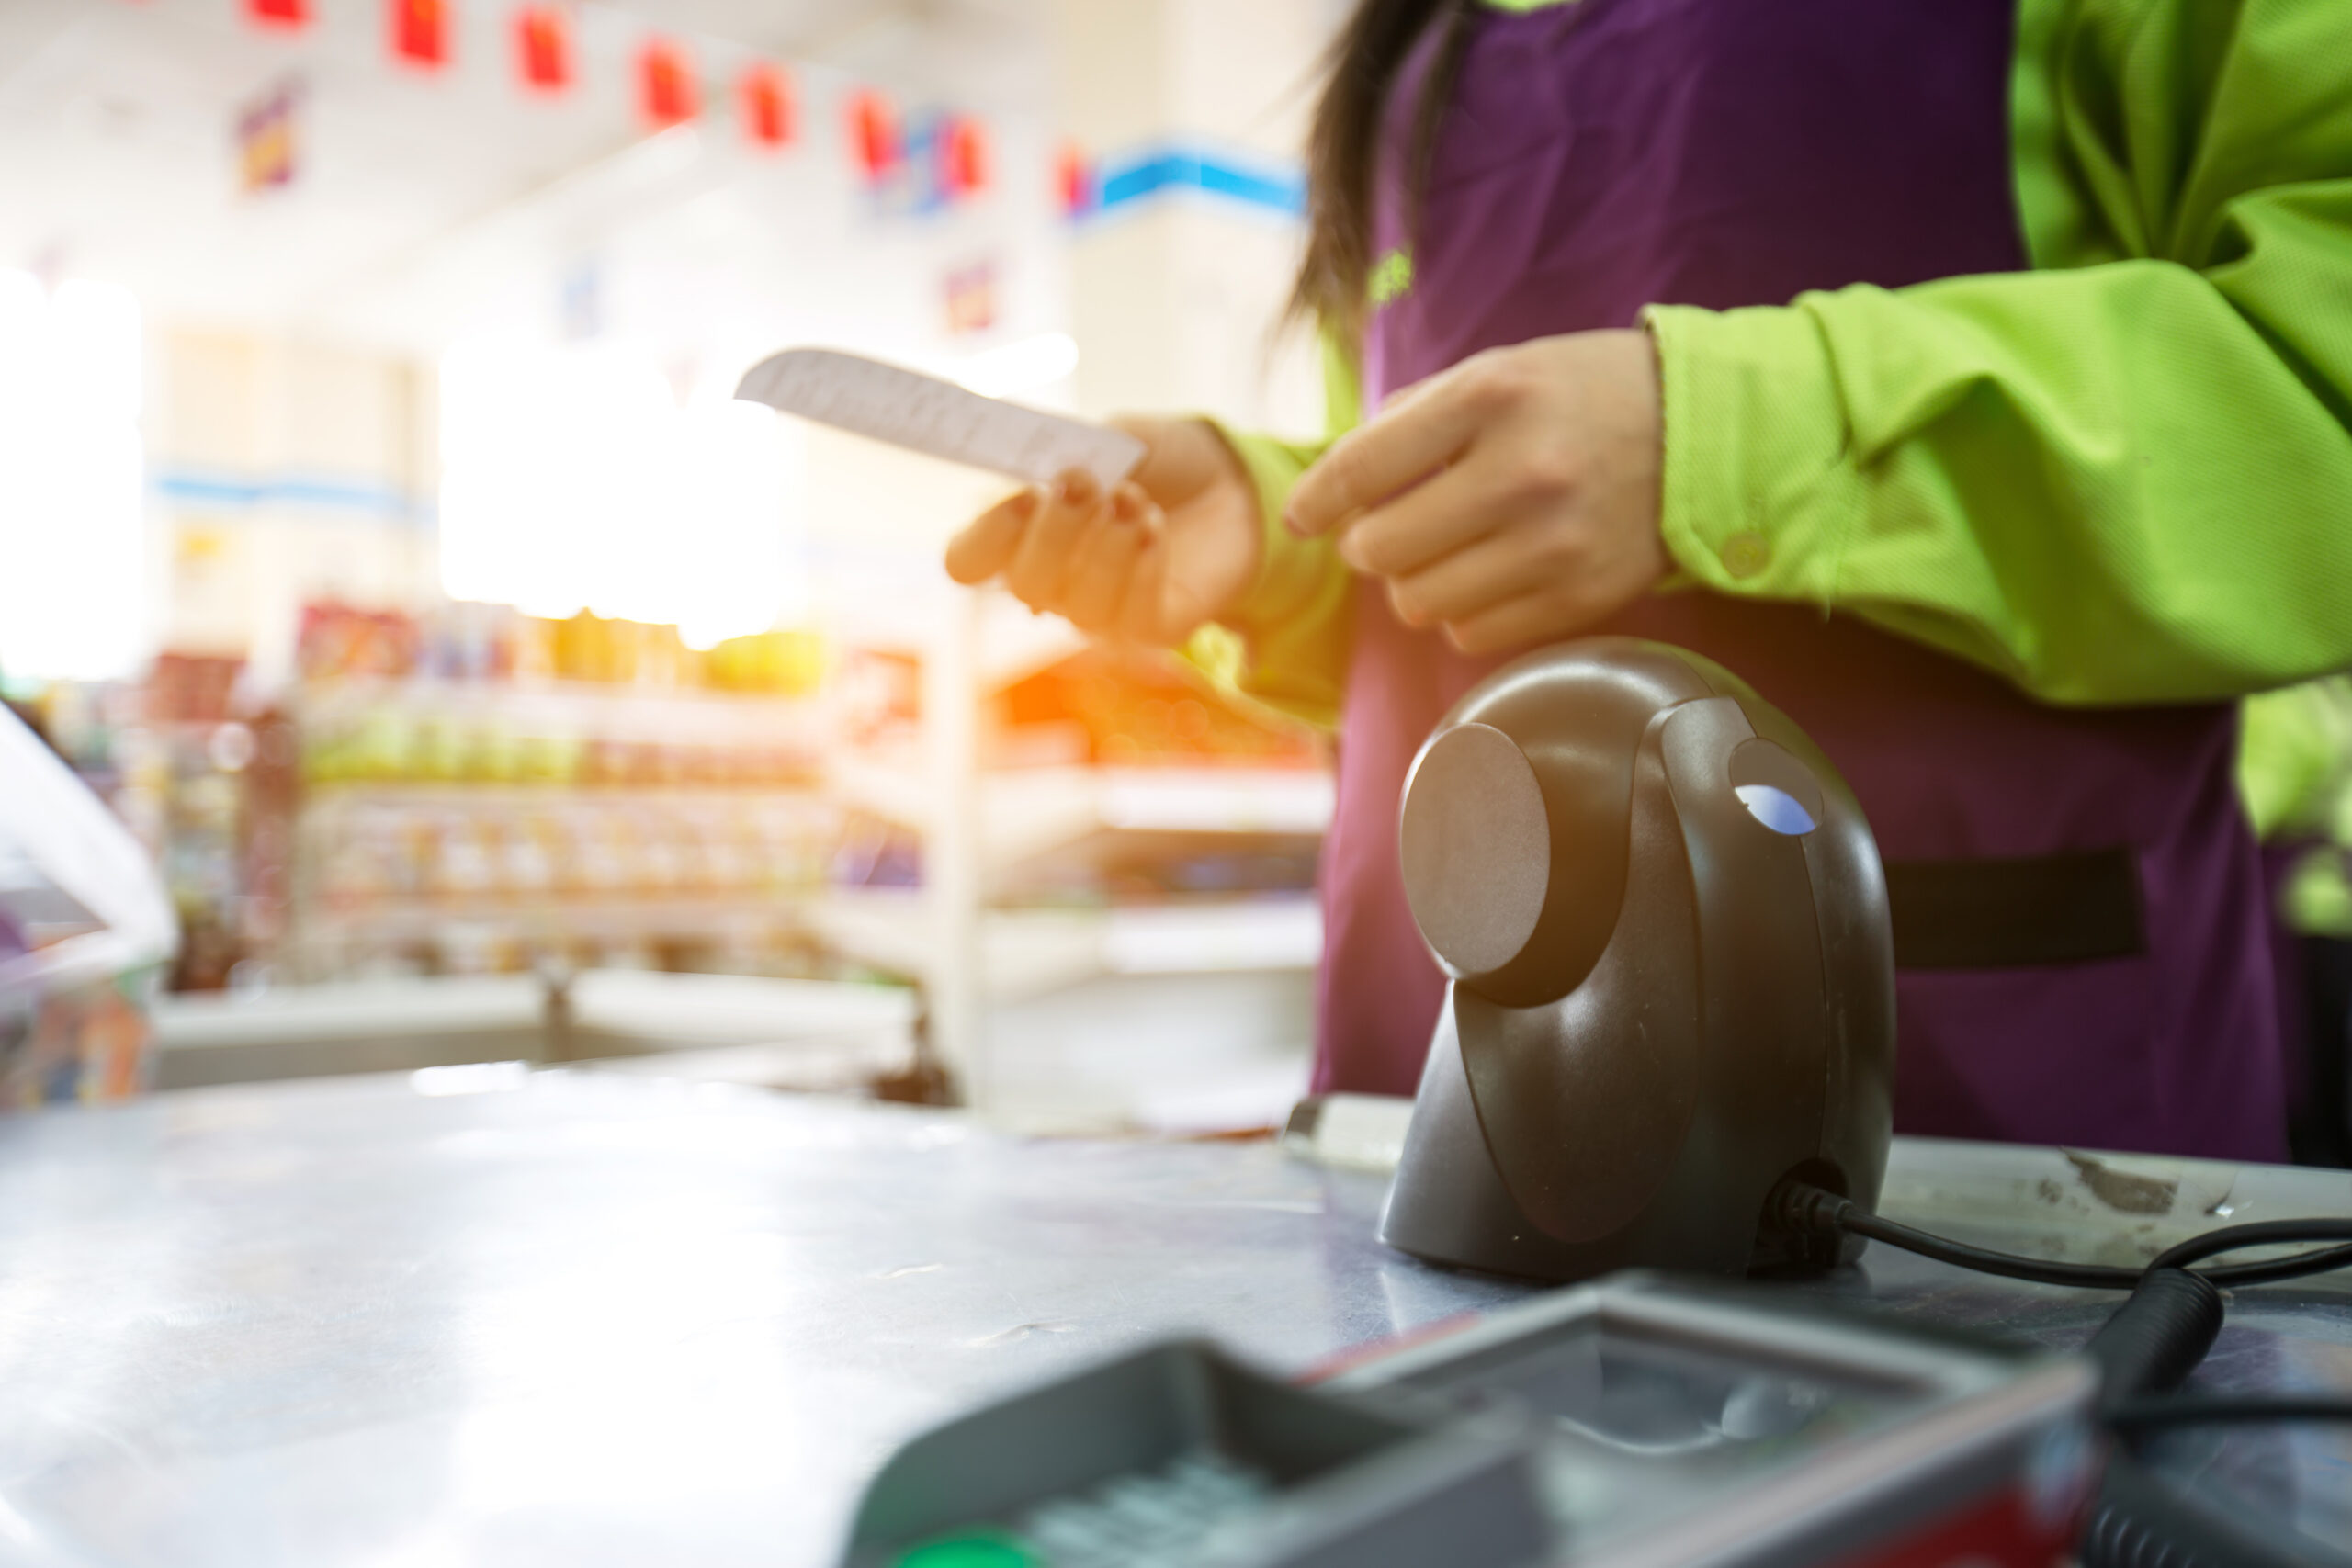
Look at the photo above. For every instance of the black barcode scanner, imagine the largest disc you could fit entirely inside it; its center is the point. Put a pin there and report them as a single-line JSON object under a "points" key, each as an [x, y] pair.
{"points": [[1664, 924]]}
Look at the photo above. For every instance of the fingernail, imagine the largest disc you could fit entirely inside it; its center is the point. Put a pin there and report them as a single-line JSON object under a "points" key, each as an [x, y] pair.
{"points": [[1128, 506], [1025, 504], [1075, 489], [1290, 522]]}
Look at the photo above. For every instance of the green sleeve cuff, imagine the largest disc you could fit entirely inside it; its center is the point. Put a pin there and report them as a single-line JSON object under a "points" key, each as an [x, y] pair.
{"points": [[1291, 570], [1284, 643], [1758, 496]]}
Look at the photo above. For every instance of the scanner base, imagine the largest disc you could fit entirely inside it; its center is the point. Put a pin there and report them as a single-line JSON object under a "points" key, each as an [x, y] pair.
{"points": [[1448, 1204]]}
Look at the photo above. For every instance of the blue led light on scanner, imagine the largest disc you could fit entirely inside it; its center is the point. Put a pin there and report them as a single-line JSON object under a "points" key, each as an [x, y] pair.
{"points": [[1776, 808]]}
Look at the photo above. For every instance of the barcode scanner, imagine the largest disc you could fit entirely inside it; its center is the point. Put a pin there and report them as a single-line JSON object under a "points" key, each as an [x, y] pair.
{"points": [[1665, 927]]}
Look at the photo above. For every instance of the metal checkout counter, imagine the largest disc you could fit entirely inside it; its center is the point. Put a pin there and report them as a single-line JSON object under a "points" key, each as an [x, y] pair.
{"points": [[482, 1315], [475, 1314]]}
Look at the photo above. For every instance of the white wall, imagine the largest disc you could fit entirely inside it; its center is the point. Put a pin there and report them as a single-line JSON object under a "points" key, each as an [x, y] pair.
{"points": [[1176, 296]]}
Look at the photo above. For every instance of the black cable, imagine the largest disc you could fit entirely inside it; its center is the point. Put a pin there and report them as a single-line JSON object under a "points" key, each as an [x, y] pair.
{"points": [[1982, 1260], [1809, 1209], [2199, 1410], [2296, 1266], [2229, 1239]]}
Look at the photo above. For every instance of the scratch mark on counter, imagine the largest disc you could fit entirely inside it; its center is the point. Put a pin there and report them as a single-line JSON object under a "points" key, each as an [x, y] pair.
{"points": [[1019, 1331], [911, 1268]]}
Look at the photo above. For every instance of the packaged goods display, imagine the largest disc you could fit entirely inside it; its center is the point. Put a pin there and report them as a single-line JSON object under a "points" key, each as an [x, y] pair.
{"points": [[365, 850], [469, 642], [470, 790], [560, 819], [421, 736]]}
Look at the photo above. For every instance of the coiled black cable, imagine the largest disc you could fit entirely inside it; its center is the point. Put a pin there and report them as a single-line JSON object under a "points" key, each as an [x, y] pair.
{"points": [[2151, 1343], [2157, 1338], [2221, 1409]]}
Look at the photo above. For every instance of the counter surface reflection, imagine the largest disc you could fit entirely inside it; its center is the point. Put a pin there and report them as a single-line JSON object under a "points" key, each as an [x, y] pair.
{"points": [[481, 1315]]}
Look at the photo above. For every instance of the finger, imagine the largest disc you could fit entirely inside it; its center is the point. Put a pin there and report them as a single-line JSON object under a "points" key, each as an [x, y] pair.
{"points": [[1545, 616], [1371, 463], [984, 547], [1407, 613], [1098, 577], [1143, 613], [1432, 520], [1472, 579], [1042, 563]]}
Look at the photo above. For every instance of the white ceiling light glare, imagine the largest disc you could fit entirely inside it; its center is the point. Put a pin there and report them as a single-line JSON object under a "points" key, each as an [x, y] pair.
{"points": [[572, 479], [728, 564], [72, 529]]}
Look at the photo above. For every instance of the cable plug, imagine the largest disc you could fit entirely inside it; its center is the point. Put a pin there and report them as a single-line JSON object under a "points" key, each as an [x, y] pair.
{"points": [[1799, 1208]]}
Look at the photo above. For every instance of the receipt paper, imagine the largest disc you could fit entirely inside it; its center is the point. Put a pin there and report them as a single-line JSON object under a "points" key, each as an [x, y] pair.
{"points": [[929, 416]]}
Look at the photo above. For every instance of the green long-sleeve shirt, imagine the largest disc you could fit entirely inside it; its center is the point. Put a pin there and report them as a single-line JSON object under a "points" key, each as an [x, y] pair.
{"points": [[2122, 477]]}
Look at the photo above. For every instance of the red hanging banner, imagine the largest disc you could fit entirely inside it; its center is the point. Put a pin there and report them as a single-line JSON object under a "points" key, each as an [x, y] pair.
{"points": [[420, 31], [963, 157], [543, 47], [667, 94], [285, 14], [1074, 179], [764, 95], [873, 133]]}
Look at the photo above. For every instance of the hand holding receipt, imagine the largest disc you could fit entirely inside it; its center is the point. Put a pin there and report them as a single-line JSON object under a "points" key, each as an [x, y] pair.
{"points": [[1139, 530]]}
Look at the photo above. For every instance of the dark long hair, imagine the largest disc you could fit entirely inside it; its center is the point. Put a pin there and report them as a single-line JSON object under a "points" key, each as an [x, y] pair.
{"points": [[1343, 149]]}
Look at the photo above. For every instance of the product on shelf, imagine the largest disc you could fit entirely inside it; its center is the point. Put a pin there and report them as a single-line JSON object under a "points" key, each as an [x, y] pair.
{"points": [[85, 929], [377, 854], [85, 1043], [877, 701], [424, 736], [191, 688], [1133, 710], [871, 852], [335, 639], [781, 663]]}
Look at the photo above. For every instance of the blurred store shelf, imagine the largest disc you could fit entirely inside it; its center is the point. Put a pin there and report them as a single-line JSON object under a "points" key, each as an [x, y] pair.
{"points": [[626, 914], [1024, 953], [1026, 811], [1029, 951], [655, 711], [731, 1028], [450, 825], [890, 928], [342, 796]]}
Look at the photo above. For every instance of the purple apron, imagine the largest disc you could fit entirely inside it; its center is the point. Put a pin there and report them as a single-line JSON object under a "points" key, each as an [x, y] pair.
{"points": [[1601, 155]]}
